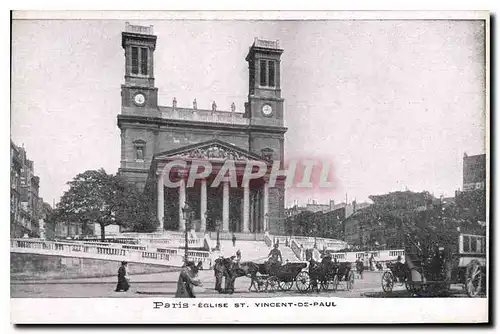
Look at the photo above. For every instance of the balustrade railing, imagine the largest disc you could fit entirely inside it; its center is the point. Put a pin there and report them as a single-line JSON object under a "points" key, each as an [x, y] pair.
{"points": [[239, 236], [204, 116], [150, 242], [162, 256]]}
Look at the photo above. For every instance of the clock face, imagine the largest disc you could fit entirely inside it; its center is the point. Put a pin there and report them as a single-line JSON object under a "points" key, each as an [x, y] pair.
{"points": [[267, 110], [139, 99]]}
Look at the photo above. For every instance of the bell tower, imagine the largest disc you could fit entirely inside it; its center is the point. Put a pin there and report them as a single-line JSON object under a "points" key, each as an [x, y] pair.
{"points": [[265, 105], [139, 89]]}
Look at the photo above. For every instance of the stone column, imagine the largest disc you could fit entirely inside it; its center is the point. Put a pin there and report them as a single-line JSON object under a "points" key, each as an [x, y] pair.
{"points": [[266, 206], [246, 206], [203, 205], [160, 202], [182, 202], [225, 206]]}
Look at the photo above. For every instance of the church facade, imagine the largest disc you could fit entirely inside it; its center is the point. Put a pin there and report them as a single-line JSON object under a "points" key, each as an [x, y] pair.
{"points": [[153, 136]]}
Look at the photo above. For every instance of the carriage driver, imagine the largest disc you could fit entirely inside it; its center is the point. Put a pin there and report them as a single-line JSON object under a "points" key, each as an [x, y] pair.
{"points": [[400, 268], [274, 257]]}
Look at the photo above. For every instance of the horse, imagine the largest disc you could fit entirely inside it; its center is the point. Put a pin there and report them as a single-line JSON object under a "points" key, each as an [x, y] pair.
{"points": [[325, 270], [245, 269], [222, 270]]}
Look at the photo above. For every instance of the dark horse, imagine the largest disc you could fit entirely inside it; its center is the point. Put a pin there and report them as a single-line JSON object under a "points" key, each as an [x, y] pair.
{"points": [[324, 271]]}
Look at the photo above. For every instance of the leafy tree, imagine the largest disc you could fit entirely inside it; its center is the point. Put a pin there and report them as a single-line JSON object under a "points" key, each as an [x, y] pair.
{"points": [[91, 197], [97, 197]]}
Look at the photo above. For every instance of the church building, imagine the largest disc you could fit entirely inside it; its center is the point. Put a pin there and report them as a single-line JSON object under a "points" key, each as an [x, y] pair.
{"points": [[154, 135]]}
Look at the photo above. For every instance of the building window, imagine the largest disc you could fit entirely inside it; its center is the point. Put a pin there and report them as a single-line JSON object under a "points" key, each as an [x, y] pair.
{"points": [[271, 73], [139, 60], [135, 60], [267, 73], [466, 244], [144, 61]]}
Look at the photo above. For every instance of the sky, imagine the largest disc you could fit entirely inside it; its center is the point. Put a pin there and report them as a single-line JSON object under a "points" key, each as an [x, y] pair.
{"points": [[393, 104]]}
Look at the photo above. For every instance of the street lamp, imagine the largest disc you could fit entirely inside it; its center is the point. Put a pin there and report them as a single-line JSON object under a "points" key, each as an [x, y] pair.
{"points": [[218, 224], [187, 213], [206, 219], [266, 218]]}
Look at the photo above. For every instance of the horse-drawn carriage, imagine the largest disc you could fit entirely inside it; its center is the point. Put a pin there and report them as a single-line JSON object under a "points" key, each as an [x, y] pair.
{"points": [[329, 274], [308, 276], [280, 277], [431, 267]]}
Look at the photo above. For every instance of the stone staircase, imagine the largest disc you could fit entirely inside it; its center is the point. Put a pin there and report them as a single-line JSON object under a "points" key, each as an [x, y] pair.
{"points": [[250, 250], [256, 251]]}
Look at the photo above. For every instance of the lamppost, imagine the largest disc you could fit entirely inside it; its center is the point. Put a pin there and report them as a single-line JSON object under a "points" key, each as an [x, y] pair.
{"points": [[187, 212], [266, 218], [206, 220], [361, 237], [218, 223]]}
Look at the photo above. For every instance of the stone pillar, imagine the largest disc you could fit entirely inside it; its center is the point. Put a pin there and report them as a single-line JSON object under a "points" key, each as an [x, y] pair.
{"points": [[246, 206], [160, 202], [225, 206], [203, 205], [266, 206], [182, 202]]}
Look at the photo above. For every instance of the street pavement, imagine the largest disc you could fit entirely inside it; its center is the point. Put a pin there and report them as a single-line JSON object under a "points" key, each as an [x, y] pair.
{"points": [[165, 284]]}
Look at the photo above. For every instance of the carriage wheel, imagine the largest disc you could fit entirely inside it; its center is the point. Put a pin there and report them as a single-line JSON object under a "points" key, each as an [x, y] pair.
{"points": [[273, 284], [330, 283], [473, 278], [387, 281], [350, 281], [302, 281], [285, 285], [261, 285], [327, 283]]}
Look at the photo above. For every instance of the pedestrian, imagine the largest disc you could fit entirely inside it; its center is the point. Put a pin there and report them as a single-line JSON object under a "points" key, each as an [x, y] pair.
{"points": [[238, 255], [123, 279], [360, 267], [234, 240], [187, 279]]}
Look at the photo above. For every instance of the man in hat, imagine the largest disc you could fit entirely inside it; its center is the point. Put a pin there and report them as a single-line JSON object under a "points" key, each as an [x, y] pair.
{"points": [[274, 258], [187, 279], [123, 279]]}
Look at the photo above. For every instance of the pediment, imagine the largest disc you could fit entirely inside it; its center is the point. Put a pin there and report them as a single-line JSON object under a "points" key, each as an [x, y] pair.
{"points": [[214, 150]]}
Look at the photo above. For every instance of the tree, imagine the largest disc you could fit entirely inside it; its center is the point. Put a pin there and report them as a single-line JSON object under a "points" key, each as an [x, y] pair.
{"points": [[92, 197], [133, 208]]}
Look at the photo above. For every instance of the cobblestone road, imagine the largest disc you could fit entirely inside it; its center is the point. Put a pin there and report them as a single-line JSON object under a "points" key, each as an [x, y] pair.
{"points": [[165, 284]]}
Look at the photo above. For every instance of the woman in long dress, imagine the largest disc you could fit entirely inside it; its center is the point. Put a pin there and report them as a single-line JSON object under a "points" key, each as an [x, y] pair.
{"points": [[187, 279], [123, 279]]}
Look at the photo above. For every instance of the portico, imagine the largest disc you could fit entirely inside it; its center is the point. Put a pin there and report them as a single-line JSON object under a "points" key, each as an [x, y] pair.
{"points": [[210, 176]]}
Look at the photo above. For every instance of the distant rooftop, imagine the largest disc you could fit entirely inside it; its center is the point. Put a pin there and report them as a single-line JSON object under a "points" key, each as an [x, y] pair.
{"points": [[146, 30]]}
